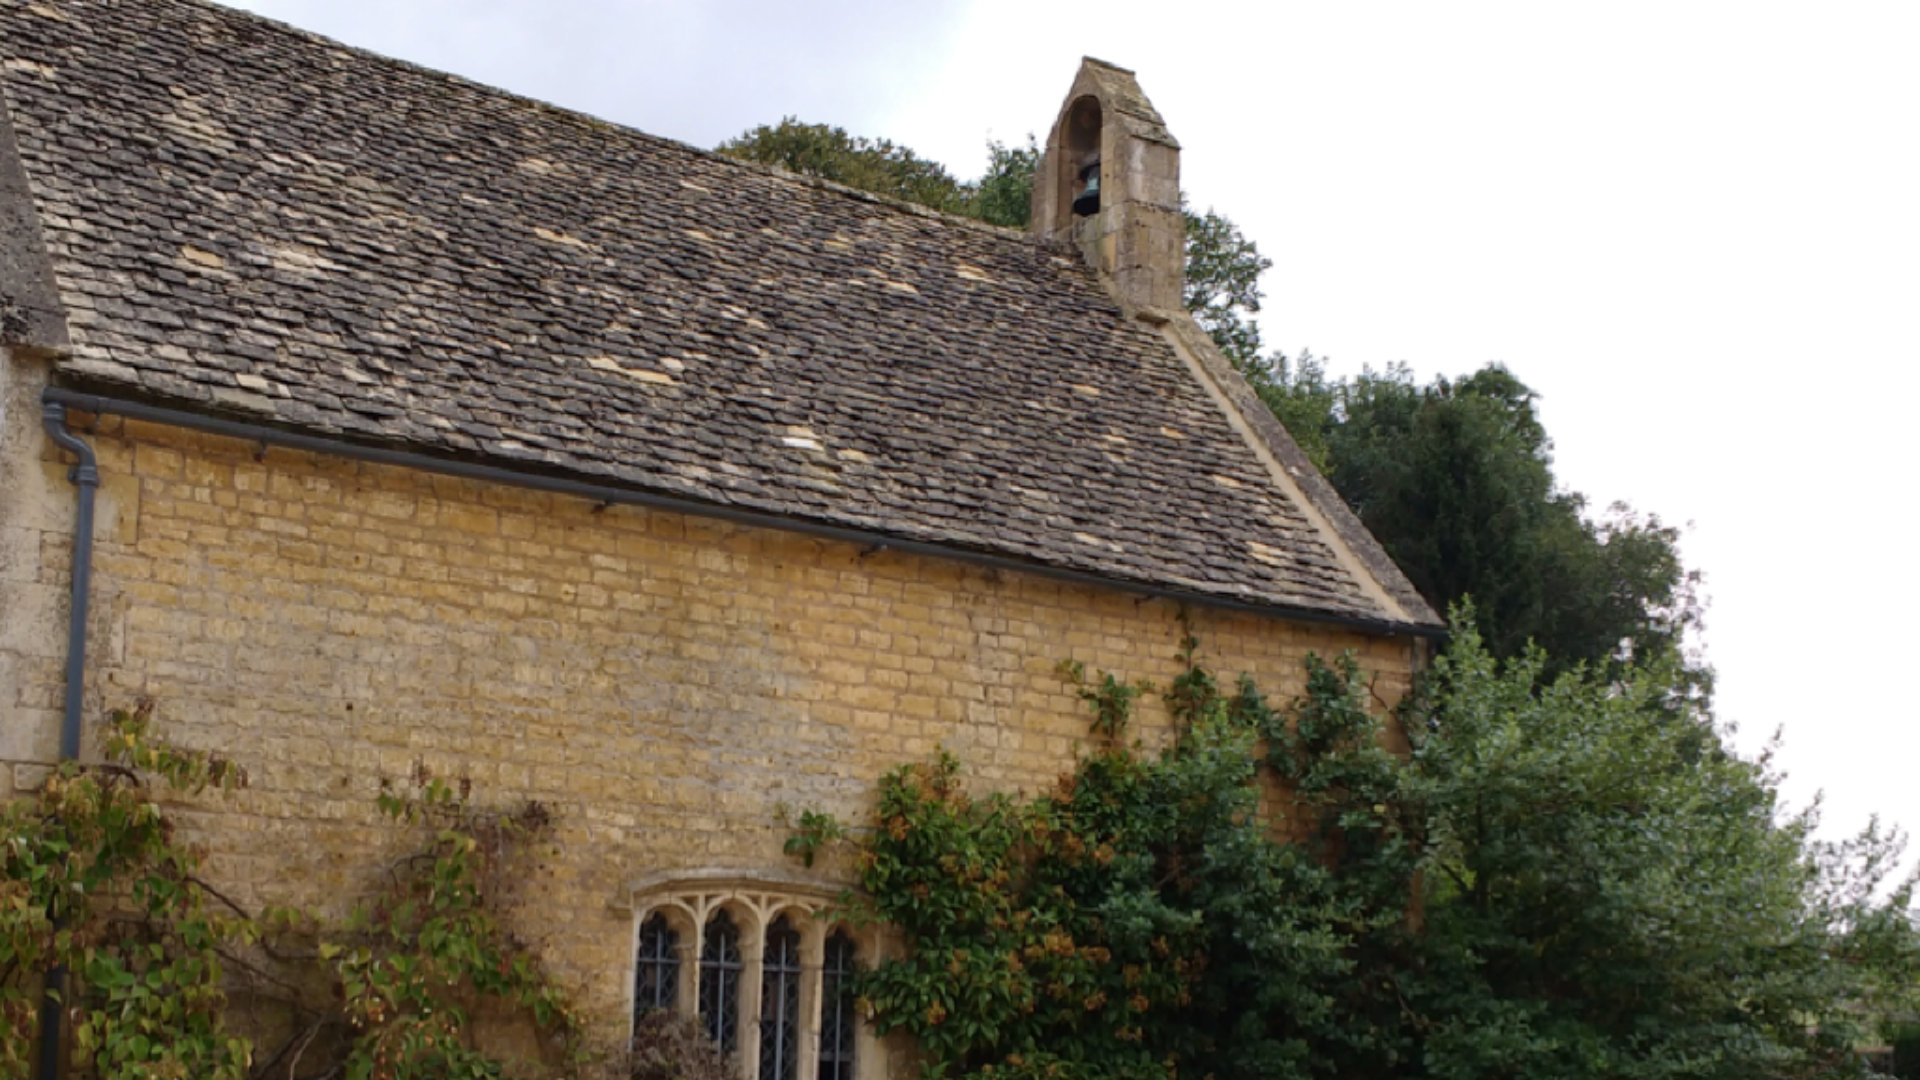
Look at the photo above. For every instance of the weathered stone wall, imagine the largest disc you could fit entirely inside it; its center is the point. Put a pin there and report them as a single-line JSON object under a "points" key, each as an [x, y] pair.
{"points": [[663, 683], [36, 552]]}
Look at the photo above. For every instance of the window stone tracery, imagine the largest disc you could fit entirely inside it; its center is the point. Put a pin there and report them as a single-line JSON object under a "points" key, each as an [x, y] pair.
{"points": [[720, 971], [780, 977], [759, 967], [839, 1024], [656, 967]]}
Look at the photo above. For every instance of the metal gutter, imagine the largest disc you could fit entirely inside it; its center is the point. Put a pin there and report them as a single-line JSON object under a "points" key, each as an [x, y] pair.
{"points": [[626, 496], [86, 479]]}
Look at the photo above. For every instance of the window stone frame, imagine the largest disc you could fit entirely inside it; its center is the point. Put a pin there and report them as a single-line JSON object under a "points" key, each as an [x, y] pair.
{"points": [[754, 901]]}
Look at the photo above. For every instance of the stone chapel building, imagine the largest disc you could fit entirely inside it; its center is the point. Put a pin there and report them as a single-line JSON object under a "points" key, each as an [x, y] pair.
{"points": [[365, 417]]}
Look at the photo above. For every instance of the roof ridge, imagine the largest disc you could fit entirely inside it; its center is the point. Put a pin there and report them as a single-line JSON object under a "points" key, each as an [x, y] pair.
{"points": [[749, 339], [227, 11], [895, 202]]}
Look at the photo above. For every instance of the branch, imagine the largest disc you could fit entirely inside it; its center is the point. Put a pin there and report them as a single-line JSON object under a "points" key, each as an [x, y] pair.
{"points": [[312, 1033], [220, 896], [262, 973], [1373, 691], [116, 771], [296, 1044]]}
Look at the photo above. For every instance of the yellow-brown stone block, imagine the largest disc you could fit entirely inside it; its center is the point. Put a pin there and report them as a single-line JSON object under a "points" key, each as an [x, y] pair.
{"points": [[664, 683]]}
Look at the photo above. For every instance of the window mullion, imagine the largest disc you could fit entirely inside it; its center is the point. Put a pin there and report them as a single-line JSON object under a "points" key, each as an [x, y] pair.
{"points": [[812, 944], [752, 954]]}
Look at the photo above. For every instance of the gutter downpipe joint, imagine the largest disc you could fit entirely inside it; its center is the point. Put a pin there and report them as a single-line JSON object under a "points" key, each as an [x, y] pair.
{"points": [[86, 478]]}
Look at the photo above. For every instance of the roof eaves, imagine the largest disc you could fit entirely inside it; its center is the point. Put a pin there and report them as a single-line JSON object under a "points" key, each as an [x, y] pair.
{"points": [[108, 401]]}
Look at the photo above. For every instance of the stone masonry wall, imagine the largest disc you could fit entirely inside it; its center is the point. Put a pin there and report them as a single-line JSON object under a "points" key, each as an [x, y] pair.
{"points": [[662, 682]]}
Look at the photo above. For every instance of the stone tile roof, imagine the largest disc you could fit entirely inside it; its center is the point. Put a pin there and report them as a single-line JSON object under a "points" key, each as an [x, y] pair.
{"points": [[247, 219]]}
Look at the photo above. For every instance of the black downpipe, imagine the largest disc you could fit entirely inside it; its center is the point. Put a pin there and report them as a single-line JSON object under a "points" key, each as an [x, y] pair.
{"points": [[86, 478]]}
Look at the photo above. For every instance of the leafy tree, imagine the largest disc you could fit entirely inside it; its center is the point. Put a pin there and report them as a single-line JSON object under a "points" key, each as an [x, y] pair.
{"points": [[1455, 479], [1004, 193], [876, 165], [1298, 391], [1554, 882], [1605, 900], [1223, 285], [1002, 196]]}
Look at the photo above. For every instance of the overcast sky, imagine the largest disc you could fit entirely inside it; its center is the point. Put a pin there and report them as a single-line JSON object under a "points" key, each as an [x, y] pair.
{"points": [[1693, 227]]}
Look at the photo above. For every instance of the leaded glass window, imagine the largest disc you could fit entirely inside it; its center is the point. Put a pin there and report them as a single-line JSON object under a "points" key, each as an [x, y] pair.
{"points": [[837, 1019], [780, 1003], [656, 968], [720, 982]]}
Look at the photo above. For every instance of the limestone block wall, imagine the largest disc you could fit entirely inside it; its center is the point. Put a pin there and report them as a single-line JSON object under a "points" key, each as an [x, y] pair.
{"points": [[36, 552], [663, 683]]}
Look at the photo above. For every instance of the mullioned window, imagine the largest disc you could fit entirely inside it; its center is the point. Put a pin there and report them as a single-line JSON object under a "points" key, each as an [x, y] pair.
{"points": [[767, 977]]}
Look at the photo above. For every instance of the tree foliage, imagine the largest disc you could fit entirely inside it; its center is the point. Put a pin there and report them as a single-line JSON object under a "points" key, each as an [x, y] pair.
{"points": [[1004, 193], [1605, 899], [1222, 288], [876, 165], [1553, 881], [1455, 480], [95, 883], [1002, 196]]}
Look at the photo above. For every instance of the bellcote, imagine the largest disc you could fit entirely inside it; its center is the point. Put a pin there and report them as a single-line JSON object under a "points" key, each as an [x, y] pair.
{"points": [[1128, 225]]}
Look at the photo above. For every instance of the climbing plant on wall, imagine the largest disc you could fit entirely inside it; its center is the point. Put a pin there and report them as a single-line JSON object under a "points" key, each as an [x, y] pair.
{"points": [[1139, 920], [1546, 881], [410, 967], [96, 882]]}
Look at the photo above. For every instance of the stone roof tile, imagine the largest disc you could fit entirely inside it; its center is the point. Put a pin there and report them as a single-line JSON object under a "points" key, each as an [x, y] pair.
{"points": [[245, 218]]}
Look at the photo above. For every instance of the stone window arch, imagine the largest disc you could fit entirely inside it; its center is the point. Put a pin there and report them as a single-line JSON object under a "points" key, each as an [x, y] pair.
{"points": [[780, 1020], [748, 956], [839, 1023], [721, 966], [681, 925], [656, 984]]}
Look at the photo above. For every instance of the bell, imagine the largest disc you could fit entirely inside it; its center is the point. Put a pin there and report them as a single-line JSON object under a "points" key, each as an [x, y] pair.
{"points": [[1087, 203]]}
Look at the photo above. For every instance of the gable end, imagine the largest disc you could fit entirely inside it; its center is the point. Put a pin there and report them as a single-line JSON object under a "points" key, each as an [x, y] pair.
{"points": [[31, 317]]}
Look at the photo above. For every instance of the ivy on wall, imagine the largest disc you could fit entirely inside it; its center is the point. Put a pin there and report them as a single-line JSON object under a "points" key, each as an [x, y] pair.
{"points": [[1551, 878], [96, 881], [1140, 920]]}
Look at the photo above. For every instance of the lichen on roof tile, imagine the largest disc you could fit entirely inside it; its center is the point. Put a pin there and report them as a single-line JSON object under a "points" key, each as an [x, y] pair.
{"points": [[268, 224]]}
